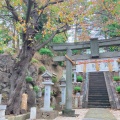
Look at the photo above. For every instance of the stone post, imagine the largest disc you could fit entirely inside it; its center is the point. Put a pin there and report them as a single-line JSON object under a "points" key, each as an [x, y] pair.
{"points": [[0, 98], [48, 83], [2, 110], [33, 113], [77, 97], [63, 90], [75, 76], [68, 106]]}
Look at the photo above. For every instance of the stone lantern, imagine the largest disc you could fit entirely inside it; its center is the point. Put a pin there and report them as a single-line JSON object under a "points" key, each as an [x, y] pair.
{"points": [[48, 83], [63, 90]]}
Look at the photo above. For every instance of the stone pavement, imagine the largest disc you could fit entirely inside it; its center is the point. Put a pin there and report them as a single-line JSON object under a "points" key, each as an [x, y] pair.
{"points": [[99, 114]]}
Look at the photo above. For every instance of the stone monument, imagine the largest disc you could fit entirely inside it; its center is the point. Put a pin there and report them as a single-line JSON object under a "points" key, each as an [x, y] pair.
{"points": [[2, 110], [63, 90]]}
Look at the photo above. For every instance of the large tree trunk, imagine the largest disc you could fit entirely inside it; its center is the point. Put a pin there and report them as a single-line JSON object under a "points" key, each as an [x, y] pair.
{"points": [[17, 81]]}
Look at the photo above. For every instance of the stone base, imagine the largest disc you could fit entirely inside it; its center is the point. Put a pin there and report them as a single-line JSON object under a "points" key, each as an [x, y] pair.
{"points": [[46, 109], [47, 114], [18, 117], [68, 113]]}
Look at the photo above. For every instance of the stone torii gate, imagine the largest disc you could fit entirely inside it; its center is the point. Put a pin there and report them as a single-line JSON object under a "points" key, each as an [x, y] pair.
{"points": [[93, 45]]}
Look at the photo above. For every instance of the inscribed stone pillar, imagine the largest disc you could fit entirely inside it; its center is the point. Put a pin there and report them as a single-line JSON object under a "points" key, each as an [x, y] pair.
{"points": [[63, 94], [47, 96]]}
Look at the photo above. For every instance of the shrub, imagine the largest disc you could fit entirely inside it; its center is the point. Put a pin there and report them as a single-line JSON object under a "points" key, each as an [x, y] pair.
{"points": [[118, 89], [29, 79], [116, 78], [1, 51], [77, 89], [45, 51], [36, 88], [79, 78], [54, 79], [42, 69], [34, 60], [61, 63]]}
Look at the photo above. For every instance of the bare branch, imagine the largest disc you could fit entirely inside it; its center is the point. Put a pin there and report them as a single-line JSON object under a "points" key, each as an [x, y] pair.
{"points": [[60, 30], [12, 10], [29, 6], [51, 3]]}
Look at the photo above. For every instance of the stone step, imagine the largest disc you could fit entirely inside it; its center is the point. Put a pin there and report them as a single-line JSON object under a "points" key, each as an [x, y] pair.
{"points": [[99, 106], [98, 90], [97, 98], [98, 94], [99, 103]]}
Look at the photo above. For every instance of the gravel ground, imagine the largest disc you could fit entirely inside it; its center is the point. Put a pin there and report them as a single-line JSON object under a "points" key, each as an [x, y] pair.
{"points": [[116, 113], [81, 113]]}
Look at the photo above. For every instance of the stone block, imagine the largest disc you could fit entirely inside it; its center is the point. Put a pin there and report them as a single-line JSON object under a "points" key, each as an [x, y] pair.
{"points": [[68, 113], [2, 113], [3, 118], [33, 113], [47, 115], [3, 107]]}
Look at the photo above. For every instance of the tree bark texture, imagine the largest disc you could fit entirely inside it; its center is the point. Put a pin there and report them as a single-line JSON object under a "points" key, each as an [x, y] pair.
{"points": [[18, 83]]}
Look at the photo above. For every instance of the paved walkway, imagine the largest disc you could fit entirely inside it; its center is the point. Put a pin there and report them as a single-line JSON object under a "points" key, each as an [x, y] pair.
{"points": [[99, 114]]}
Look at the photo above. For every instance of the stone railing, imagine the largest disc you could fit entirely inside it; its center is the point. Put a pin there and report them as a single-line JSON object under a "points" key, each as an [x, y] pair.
{"points": [[85, 92], [113, 98]]}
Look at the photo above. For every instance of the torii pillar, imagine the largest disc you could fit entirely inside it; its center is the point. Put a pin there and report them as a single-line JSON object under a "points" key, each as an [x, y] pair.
{"points": [[69, 89]]}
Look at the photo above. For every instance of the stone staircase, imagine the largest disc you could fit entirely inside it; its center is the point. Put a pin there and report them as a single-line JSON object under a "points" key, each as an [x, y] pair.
{"points": [[97, 95]]}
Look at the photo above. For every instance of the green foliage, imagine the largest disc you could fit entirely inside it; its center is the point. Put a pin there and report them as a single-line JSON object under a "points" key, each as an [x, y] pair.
{"points": [[114, 29], [77, 89], [52, 106], [118, 89], [61, 63], [79, 78], [114, 48], [36, 88], [45, 51], [34, 60], [29, 79], [1, 51], [42, 69], [54, 79], [116, 78], [60, 38], [74, 52]]}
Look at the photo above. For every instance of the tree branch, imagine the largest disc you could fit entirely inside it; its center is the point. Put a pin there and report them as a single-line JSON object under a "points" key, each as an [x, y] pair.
{"points": [[60, 30], [12, 10], [46, 42], [51, 3], [30, 3]]}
